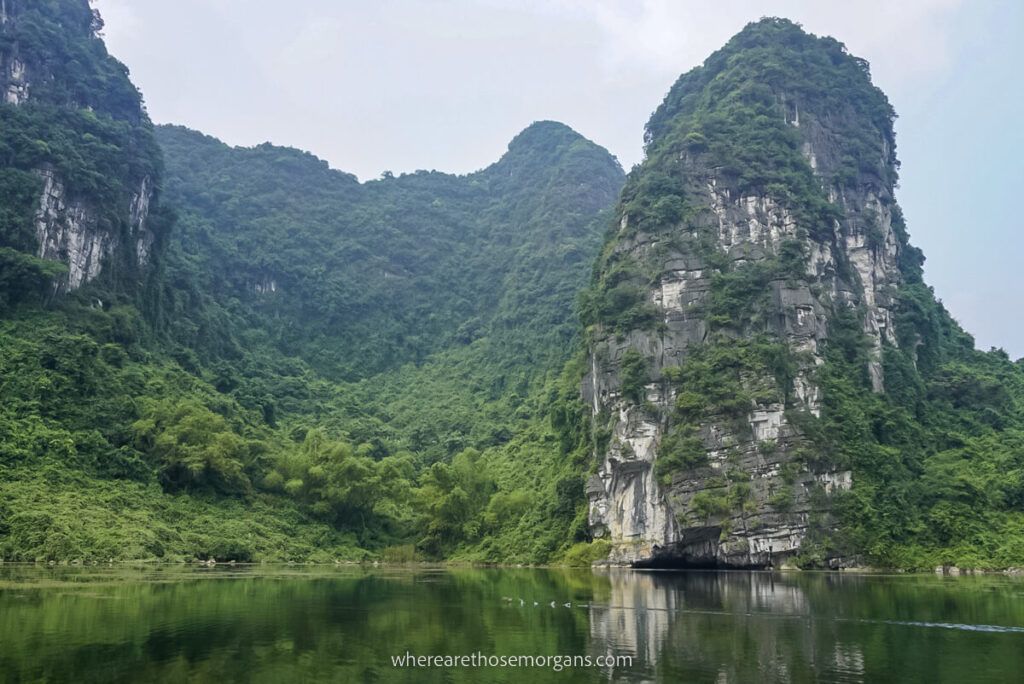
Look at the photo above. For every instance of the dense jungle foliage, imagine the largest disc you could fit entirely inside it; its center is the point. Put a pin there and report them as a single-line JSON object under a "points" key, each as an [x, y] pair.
{"points": [[314, 368], [239, 422]]}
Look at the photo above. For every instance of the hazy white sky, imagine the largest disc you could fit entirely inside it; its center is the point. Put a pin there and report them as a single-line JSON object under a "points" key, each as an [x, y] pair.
{"points": [[401, 85]]}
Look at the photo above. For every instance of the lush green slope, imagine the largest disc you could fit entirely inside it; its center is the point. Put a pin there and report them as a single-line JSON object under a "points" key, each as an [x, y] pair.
{"points": [[309, 367], [453, 353], [315, 368], [357, 279], [203, 417]]}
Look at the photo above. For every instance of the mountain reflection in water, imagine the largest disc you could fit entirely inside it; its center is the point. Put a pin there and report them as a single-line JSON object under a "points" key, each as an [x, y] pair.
{"points": [[264, 624]]}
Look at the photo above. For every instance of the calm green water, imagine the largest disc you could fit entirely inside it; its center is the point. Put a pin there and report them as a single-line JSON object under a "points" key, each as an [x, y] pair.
{"points": [[290, 624]]}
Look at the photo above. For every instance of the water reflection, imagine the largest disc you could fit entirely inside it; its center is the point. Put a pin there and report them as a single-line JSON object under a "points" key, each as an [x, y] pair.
{"points": [[637, 616], [343, 624], [741, 627], [706, 624]]}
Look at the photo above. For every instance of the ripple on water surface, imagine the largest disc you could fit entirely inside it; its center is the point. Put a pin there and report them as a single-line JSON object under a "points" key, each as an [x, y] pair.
{"points": [[321, 623]]}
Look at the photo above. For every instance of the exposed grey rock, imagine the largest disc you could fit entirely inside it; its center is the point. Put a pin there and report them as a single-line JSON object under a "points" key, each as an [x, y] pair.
{"points": [[16, 90], [852, 263], [68, 230], [142, 236], [73, 228]]}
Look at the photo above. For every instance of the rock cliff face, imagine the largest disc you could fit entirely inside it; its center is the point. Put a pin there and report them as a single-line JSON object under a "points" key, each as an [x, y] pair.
{"points": [[69, 230], [761, 222], [12, 69], [98, 170]]}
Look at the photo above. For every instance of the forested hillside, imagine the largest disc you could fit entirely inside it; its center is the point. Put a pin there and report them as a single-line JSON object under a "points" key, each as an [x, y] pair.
{"points": [[235, 419], [301, 366], [358, 279], [242, 354]]}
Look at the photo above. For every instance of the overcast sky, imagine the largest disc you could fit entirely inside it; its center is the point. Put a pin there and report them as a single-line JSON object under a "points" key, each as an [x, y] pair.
{"points": [[403, 85]]}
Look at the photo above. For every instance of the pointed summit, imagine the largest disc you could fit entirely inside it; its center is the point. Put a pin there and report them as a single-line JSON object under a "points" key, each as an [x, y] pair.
{"points": [[546, 145], [760, 339], [544, 134]]}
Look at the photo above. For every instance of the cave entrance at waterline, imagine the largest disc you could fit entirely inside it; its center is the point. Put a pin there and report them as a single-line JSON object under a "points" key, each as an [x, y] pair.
{"points": [[700, 549]]}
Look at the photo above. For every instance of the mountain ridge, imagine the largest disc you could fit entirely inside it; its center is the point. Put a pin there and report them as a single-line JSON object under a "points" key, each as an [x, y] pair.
{"points": [[308, 367]]}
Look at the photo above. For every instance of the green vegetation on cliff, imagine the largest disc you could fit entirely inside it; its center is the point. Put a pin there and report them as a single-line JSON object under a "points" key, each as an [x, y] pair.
{"points": [[314, 368], [309, 367], [69, 111], [782, 119]]}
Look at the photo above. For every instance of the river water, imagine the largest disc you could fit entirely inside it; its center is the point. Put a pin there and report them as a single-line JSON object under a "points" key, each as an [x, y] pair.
{"points": [[351, 624]]}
